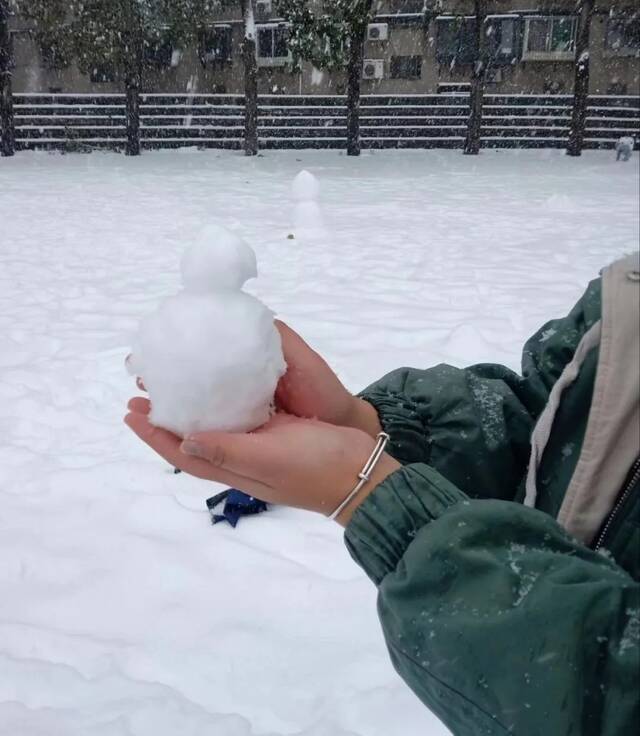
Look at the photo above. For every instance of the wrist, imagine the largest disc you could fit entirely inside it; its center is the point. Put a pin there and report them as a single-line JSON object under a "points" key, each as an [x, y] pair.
{"points": [[363, 416], [385, 466]]}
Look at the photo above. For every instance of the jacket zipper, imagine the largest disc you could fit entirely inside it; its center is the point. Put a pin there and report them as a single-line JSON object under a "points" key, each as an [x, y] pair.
{"points": [[635, 477]]}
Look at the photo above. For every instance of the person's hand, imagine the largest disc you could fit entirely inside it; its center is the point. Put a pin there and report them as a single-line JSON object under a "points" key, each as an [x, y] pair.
{"points": [[312, 390], [292, 461]]}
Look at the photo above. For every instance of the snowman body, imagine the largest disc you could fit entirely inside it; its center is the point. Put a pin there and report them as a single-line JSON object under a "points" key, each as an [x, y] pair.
{"points": [[210, 356], [307, 219]]}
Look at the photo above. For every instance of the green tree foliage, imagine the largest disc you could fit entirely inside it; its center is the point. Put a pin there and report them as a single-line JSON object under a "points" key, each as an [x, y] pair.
{"points": [[323, 36], [108, 33], [51, 21], [182, 21]]}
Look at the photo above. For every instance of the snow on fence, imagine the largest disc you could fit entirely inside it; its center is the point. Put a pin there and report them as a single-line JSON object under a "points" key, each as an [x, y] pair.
{"points": [[83, 122]]}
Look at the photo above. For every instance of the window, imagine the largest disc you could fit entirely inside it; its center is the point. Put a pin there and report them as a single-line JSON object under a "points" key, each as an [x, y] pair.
{"points": [[553, 86], [216, 46], [272, 45], [617, 88], [550, 38], [455, 43], [406, 67], [503, 39], [623, 35], [103, 73], [158, 52], [54, 56]]}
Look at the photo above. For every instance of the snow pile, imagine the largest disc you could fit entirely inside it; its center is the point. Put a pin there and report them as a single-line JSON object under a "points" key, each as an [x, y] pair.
{"points": [[210, 357]]}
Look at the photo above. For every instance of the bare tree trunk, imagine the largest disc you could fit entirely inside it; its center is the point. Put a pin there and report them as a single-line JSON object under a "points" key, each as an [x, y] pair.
{"points": [[476, 93], [7, 134], [133, 77], [354, 77], [250, 80], [581, 84]]}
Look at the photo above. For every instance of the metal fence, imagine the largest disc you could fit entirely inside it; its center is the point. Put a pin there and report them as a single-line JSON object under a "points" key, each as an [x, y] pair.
{"points": [[79, 122]]}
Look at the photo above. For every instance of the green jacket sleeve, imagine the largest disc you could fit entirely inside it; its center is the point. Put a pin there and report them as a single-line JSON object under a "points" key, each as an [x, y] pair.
{"points": [[474, 424], [498, 620]]}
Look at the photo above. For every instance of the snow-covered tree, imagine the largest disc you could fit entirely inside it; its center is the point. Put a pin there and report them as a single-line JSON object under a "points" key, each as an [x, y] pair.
{"points": [[7, 143], [332, 37], [109, 39], [50, 27], [185, 21], [103, 36], [181, 22], [581, 84]]}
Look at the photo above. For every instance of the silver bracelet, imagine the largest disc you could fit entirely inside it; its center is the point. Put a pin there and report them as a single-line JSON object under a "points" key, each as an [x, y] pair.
{"points": [[364, 474]]}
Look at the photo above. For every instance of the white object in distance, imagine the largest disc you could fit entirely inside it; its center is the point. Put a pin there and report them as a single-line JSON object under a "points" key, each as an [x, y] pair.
{"points": [[305, 187]]}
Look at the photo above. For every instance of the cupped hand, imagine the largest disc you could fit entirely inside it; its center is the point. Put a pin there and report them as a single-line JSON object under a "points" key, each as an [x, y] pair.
{"points": [[311, 389], [297, 462]]}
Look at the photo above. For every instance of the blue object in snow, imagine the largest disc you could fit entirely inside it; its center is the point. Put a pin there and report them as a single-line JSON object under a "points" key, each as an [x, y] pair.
{"points": [[236, 505]]}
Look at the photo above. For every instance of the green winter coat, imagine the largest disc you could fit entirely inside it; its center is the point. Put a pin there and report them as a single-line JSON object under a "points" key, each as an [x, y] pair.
{"points": [[498, 619]]}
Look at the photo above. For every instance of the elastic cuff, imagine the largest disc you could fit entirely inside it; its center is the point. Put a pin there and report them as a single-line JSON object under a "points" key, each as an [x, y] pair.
{"points": [[401, 421], [387, 521]]}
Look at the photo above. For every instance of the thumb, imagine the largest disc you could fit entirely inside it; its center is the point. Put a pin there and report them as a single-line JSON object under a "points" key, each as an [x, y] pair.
{"points": [[243, 454]]}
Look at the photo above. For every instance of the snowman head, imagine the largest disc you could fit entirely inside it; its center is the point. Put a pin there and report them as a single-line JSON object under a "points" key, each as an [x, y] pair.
{"points": [[218, 260]]}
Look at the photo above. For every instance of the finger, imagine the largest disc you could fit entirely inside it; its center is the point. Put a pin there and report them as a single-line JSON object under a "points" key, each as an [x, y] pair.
{"points": [[256, 455], [167, 445], [290, 339], [282, 395], [279, 419], [298, 354], [139, 405]]}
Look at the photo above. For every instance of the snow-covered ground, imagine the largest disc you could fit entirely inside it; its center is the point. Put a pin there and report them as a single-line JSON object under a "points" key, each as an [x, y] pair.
{"points": [[122, 611]]}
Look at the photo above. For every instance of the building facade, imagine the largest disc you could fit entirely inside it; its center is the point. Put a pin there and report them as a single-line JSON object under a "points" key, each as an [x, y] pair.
{"points": [[412, 47]]}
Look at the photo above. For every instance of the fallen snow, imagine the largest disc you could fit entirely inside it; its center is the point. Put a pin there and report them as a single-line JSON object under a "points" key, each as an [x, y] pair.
{"points": [[123, 612]]}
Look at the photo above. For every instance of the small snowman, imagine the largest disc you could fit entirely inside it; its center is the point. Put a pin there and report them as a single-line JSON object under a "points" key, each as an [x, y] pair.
{"points": [[307, 216], [210, 356], [624, 148]]}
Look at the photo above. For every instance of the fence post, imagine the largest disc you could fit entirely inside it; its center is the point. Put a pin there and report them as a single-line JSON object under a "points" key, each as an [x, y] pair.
{"points": [[476, 92], [133, 118], [581, 84], [7, 132]]}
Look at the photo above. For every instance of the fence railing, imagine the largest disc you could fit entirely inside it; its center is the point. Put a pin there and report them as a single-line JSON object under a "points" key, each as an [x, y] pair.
{"points": [[66, 121]]}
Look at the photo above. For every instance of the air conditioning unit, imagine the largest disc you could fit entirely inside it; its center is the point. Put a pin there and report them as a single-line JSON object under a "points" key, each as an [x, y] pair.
{"points": [[373, 69], [378, 32], [264, 9]]}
